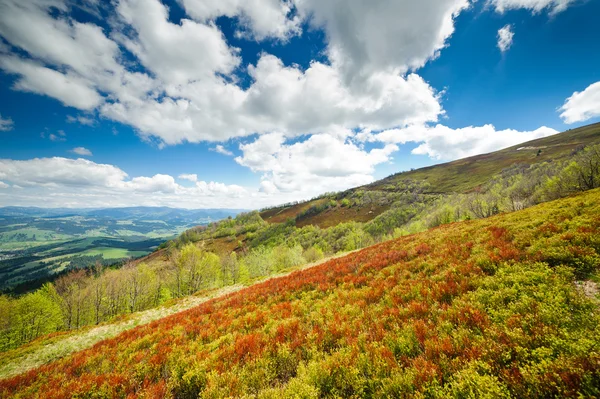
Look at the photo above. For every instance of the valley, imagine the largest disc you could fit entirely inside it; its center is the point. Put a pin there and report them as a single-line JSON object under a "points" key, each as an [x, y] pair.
{"points": [[37, 244]]}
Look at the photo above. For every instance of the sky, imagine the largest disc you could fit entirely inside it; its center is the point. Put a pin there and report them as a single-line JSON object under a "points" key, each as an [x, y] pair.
{"points": [[253, 103]]}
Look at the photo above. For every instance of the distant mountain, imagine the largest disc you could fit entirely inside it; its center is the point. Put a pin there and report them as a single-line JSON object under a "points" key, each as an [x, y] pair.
{"points": [[139, 212]]}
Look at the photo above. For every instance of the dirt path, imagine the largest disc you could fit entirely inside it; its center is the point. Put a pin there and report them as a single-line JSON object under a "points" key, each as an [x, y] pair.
{"points": [[588, 288], [36, 354]]}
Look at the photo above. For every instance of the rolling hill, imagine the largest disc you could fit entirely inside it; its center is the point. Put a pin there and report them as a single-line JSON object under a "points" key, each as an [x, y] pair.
{"points": [[478, 308]]}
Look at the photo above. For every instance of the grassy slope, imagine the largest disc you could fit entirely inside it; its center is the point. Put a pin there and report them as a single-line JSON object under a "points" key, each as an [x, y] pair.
{"points": [[465, 174], [457, 176], [466, 308], [55, 346]]}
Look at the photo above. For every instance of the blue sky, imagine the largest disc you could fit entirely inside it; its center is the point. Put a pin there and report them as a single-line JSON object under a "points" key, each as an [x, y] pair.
{"points": [[239, 104]]}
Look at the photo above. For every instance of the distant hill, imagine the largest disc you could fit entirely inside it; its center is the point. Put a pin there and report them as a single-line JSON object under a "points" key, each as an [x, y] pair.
{"points": [[36, 244], [139, 212]]}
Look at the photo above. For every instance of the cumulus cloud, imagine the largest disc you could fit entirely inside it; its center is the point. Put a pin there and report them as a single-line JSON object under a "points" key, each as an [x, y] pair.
{"points": [[3, 185], [191, 177], [83, 183], [81, 151], [505, 38], [69, 89], [389, 35], [191, 92], [221, 150], [322, 162], [582, 106], [259, 19], [555, 6], [177, 54], [444, 143], [281, 98], [6, 124]]}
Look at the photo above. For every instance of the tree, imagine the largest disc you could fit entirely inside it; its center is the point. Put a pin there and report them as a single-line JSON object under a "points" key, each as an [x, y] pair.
{"points": [[70, 288], [140, 282], [98, 293], [587, 168]]}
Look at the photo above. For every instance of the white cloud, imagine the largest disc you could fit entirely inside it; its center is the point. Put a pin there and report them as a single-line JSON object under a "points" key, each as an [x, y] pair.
{"points": [[82, 120], [536, 6], [6, 124], [283, 99], [582, 106], [177, 54], [322, 162], [69, 60], [366, 37], [60, 171], [259, 18], [69, 89], [59, 136], [444, 143], [191, 177], [193, 95], [82, 183], [221, 150], [81, 151], [505, 38], [3, 185]]}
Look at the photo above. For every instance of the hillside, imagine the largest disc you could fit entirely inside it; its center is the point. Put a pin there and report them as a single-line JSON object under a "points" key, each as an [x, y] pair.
{"points": [[459, 176], [483, 307]]}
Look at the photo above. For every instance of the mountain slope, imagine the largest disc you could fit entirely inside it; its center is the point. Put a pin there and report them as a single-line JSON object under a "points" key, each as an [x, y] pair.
{"points": [[466, 174], [485, 307], [459, 176]]}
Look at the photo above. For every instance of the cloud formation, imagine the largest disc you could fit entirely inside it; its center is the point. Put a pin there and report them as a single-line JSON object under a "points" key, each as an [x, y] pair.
{"points": [[6, 124], [505, 38], [81, 151], [82, 120], [582, 106], [222, 150], [322, 162], [83, 183], [447, 144], [169, 92], [555, 6]]}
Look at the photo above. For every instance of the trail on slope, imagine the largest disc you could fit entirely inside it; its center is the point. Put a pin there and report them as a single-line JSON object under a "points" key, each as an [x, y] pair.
{"points": [[61, 346]]}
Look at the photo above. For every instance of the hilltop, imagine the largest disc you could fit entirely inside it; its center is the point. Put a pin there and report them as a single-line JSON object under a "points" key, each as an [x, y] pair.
{"points": [[485, 307], [461, 176]]}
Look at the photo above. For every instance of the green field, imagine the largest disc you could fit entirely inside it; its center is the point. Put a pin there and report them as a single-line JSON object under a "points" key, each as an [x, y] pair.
{"points": [[114, 253]]}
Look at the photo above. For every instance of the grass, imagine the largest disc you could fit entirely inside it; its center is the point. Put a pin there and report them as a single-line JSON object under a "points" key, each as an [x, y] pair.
{"points": [[113, 253]]}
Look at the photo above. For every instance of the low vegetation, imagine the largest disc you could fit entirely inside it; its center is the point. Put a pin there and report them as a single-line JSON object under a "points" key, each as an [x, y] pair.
{"points": [[480, 308]]}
